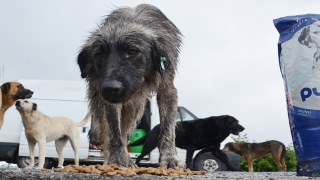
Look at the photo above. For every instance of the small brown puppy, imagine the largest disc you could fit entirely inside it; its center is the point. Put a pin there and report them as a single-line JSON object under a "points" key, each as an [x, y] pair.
{"points": [[10, 92], [251, 151], [40, 129]]}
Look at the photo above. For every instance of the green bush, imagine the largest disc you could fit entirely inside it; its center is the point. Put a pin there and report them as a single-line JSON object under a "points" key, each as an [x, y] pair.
{"points": [[267, 164]]}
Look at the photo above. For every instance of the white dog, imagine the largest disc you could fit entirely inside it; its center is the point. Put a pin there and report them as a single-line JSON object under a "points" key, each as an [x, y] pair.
{"points": [[40, 129]]}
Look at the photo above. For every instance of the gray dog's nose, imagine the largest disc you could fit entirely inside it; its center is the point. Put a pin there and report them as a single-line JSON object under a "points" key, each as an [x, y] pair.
{"points": [[112, 87]]}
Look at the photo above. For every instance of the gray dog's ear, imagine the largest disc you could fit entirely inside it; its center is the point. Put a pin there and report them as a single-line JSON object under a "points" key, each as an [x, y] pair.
{"points": [[83, 61], [34, 106], [160, 58], [5, 88]]}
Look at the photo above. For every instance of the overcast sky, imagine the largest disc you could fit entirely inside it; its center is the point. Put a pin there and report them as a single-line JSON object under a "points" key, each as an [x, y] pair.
{"points": [[228, 63]]}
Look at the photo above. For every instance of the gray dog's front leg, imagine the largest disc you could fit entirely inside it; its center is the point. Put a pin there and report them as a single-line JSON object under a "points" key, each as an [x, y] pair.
{"points": [[130, 115], [114, 148], [167, 103]]}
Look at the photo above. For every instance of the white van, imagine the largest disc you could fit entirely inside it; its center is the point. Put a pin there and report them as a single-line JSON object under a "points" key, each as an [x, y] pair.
{"points": [[68, 99]]}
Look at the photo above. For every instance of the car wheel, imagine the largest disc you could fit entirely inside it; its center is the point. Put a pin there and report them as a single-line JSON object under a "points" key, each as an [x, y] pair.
{"points": [[24, 161], [207, 161]]}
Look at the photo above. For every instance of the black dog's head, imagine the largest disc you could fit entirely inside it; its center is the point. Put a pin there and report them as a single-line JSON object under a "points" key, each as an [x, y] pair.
{"points": [[229, 124], [127, 50]]}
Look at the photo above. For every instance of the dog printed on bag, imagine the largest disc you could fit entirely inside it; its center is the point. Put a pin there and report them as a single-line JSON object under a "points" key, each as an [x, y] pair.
{"points": [[310, 37]]}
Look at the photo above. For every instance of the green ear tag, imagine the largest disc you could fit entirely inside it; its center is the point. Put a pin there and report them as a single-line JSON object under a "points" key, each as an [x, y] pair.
{"points": [[162, 59]]}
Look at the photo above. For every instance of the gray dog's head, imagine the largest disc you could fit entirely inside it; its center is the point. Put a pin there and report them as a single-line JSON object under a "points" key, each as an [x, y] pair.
{"points": [[125, 52]]}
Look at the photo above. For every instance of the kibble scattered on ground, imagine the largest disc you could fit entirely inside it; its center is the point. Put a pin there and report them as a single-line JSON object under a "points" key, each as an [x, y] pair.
{"points": [[112, 170], [53, 174]]}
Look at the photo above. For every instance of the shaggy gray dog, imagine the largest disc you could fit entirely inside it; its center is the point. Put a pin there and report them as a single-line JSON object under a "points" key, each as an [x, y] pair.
{"points": [[132, 55]]}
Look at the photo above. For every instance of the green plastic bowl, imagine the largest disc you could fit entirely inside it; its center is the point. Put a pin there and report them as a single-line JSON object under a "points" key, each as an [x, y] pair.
{"points": [[135, 135]]}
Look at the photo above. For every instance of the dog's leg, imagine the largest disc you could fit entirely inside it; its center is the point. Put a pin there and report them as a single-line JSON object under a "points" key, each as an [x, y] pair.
{"points": [[167, 103], [190, 151], [32, 146], [249, 162], [60, 143], [277, 161], [149, 145], [130, 114], [114, 148], [42, 145], [283, 162], [75, 145], [223, 157]]}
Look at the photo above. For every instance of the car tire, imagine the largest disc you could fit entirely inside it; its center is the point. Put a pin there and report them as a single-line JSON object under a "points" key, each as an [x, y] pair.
{"points": [[23, 162], [207, 161]]}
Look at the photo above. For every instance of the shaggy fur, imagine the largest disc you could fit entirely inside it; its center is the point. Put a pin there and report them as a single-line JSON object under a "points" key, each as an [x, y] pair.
{"points": [[252, 151], [121, 62], [195, 135], [10, 92]]}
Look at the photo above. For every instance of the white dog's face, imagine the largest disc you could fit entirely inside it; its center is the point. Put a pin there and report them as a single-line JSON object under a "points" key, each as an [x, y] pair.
{"points": [[25, 105]]}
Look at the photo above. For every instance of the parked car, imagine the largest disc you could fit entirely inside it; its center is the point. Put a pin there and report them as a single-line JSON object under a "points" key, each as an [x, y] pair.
{"points": [[68, 98]]}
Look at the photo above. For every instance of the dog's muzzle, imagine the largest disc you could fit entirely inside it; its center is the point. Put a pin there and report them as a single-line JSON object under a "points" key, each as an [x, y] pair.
{"points": [[111, 90], [29, 95]]}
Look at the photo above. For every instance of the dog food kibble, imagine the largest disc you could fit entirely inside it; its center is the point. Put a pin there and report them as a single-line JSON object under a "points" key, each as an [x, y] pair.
{"points": [[112, 170]]}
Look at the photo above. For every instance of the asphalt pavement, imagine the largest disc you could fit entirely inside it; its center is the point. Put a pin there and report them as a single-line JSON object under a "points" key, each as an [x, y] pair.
{"points": [[18, 174]]}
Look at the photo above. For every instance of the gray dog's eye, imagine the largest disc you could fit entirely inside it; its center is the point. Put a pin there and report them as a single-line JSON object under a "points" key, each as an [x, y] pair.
{"points": [[26, 102], [99, 55], [132, 51]]}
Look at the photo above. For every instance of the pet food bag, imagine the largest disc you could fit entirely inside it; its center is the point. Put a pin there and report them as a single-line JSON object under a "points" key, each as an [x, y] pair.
{"points": [[299, 60]]}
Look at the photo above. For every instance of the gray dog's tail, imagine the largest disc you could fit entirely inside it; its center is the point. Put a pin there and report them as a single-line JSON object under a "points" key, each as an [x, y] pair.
{"points": [[84, 121], [284, 152], [139, 141]]}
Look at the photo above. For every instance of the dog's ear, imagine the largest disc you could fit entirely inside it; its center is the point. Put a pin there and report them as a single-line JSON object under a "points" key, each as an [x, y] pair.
{"points": [[83, 60], [34, 106], [5, 88], [160, 58]]}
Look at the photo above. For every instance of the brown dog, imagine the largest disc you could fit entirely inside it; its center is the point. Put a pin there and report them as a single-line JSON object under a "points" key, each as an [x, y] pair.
{"points": [[10, 92], [251, 151]]}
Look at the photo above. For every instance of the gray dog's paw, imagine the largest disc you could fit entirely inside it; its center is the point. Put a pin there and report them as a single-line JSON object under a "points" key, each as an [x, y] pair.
{"points": [[171, 162], [121, 158], [118, 160], [131, 163]]}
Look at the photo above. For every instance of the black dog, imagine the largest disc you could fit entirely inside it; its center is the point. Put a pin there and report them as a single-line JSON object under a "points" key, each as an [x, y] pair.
{"points": [[195, 135]]}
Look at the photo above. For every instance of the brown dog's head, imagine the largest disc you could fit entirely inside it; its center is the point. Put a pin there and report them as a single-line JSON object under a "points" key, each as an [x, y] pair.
{"points": [[229, 124], [12, 91], [25, 106], [233, 147], [132, 47]]}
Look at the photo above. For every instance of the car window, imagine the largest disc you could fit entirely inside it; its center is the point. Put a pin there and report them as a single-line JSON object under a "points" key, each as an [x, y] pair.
{"points": [[184, 115], [178, 116]]}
